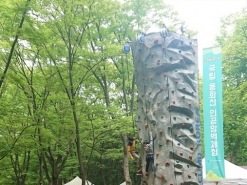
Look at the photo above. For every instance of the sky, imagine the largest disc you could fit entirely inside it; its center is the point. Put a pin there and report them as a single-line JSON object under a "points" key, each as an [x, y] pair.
{"points": [[204, 16]]}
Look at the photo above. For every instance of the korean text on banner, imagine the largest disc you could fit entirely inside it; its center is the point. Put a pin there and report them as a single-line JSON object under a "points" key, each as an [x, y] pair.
{"points": [[213, 114]]}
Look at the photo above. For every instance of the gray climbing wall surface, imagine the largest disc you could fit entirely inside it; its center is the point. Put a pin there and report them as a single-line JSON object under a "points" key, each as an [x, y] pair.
{"points": [[166, 73]]}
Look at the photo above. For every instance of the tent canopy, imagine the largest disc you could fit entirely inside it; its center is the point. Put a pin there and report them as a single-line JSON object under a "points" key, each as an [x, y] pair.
{"points": [[235, 175], [77, 181], [231, 171]]}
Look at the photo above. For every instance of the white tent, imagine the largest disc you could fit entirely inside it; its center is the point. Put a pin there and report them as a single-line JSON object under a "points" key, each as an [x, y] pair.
{"points": [[77, 181], [235, 175]]}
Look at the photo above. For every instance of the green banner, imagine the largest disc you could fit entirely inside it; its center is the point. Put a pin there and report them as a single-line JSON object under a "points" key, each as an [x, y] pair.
{"points": [[213, 114]]}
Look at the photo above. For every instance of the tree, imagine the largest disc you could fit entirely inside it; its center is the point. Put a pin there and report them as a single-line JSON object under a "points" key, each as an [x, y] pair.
{"points": [[17, 20], [233, 38]]}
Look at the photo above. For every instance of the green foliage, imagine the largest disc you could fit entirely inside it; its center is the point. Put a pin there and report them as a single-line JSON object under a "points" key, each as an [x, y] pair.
{"points": [[234, 41], [67, 74]]}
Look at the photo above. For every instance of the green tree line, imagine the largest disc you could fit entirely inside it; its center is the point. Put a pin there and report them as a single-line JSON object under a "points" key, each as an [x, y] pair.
{"points": [[67, 93], [66, 89]]}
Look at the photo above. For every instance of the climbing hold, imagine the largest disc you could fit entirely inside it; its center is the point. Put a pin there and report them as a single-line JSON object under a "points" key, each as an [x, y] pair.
{"points": [[139, 117], [161, 117], [176, 70], [172, 92], [158, 62], [189, 175], [178, 144], [152, 54], [167, 163], [174, 118], [190, 156], [171, 183], [151, 77], [173, 101], [162, 176], [126, 48], [154, 111], [170, 109], [140, 38], [189, 104], [158, 103], [185, 74], [191, 147], [160, 131], [179, 51], [167, 84], [167, 139], [193, 52], [176, 81], [149, 92], [157, 153], [188, 165], [181, 59], [187, 118], [139, 129], [181, 153], [163, 47], [165, 74], [161, 89], [171, 151], [183, 124], [156, 40], [169, 127], [146, 111], [157, 163], [146, 125], [184, 88], [170, 58], [142, 95], [177, 161], [191, 129], [167, 98]]}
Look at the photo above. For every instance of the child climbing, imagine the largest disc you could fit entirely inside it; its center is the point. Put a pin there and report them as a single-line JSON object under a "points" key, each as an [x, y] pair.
{"points": [[132, 148], [148, 147], [132, 153]]}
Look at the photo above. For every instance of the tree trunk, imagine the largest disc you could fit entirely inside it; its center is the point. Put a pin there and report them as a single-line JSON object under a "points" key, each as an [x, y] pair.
{"points": [[126, 161]]}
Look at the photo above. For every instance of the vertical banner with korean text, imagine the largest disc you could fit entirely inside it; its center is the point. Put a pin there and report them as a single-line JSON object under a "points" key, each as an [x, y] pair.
{"points": [[213, 114]]}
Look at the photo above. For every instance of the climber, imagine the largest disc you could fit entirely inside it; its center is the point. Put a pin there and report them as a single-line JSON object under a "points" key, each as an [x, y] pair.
{"points": [[131, 148], [148, 147]]}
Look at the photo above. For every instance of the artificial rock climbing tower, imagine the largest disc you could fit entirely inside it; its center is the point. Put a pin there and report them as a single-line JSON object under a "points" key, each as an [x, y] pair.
{"points": [[166, 74]]}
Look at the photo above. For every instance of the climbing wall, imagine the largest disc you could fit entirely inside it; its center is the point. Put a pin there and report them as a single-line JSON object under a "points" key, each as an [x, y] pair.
{"points": [[166, 73]]}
